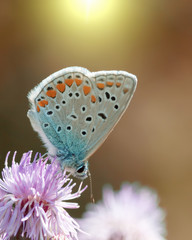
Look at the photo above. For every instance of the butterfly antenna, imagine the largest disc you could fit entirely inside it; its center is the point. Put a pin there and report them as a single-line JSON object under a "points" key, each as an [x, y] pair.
{"points": [[91, 188]]}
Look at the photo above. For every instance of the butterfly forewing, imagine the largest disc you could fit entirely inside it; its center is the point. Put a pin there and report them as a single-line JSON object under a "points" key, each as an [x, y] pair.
{"points": [[64, 110]]}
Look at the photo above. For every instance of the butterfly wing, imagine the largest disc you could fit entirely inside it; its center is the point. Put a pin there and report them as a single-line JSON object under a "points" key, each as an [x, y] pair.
{"points": [[74, 110], [114, 90], [58, 108]]}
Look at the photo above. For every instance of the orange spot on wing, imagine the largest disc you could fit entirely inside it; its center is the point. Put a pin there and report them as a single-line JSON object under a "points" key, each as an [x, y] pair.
{"points": [[100, 85], [86, 90], [43, 103], [38, 109], [69, 82], [93, 99], [125, 90], [78, 81], [51, 93], [118, 84], [110, 84], [61, 87]]}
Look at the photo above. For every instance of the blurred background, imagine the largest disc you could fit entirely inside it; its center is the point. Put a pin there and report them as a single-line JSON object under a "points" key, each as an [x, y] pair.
{"points": [[151, 39]]}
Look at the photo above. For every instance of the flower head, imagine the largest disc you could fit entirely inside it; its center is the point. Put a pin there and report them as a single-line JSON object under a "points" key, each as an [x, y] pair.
{"points": [[33, 200], [130, 214]]}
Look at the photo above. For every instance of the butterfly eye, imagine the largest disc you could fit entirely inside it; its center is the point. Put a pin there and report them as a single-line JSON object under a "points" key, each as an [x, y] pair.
{"points": [[81, 169]]}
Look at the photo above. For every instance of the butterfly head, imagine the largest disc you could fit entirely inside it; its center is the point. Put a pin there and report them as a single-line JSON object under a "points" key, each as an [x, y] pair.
{"points": [[81, 171], [76, 164]]}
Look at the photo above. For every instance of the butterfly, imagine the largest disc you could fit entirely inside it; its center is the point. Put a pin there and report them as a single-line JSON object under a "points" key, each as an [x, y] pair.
{"points": [[74, 110]]}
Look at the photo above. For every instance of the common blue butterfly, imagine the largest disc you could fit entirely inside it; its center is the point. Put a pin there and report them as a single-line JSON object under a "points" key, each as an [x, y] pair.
{"points": [[74, 110]]}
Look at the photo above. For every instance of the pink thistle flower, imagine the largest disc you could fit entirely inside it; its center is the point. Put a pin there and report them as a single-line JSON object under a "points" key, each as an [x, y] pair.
{"points": [[33, 200], [130, 214]]}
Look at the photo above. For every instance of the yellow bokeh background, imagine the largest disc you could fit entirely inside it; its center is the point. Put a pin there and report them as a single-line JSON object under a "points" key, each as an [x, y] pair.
{"points": [[151, 39]]}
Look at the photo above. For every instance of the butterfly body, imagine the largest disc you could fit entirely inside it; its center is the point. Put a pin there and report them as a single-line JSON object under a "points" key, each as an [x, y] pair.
{"points": [[74, 110]]}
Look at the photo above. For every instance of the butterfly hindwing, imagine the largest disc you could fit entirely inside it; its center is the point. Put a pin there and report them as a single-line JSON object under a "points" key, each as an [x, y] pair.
{"points": [[114, 90]]}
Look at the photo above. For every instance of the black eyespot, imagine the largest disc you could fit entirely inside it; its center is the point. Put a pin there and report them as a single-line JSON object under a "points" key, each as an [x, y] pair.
{"points": [[59, 129], [42, 97], [57, 107], [77, 94], [59, 82], [107, 95], [63, 102], [83, 132], [116, 106], [49, 88], [46, 125], [101, 79], [102, 115], [70, 94], [113, 98], [78, 76], [49, 112], [93, 130], [69, 76], [69, 128], [88, 119], [81, 169], [83, 108], [100, 99], [39, 99], [73, 116]]}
